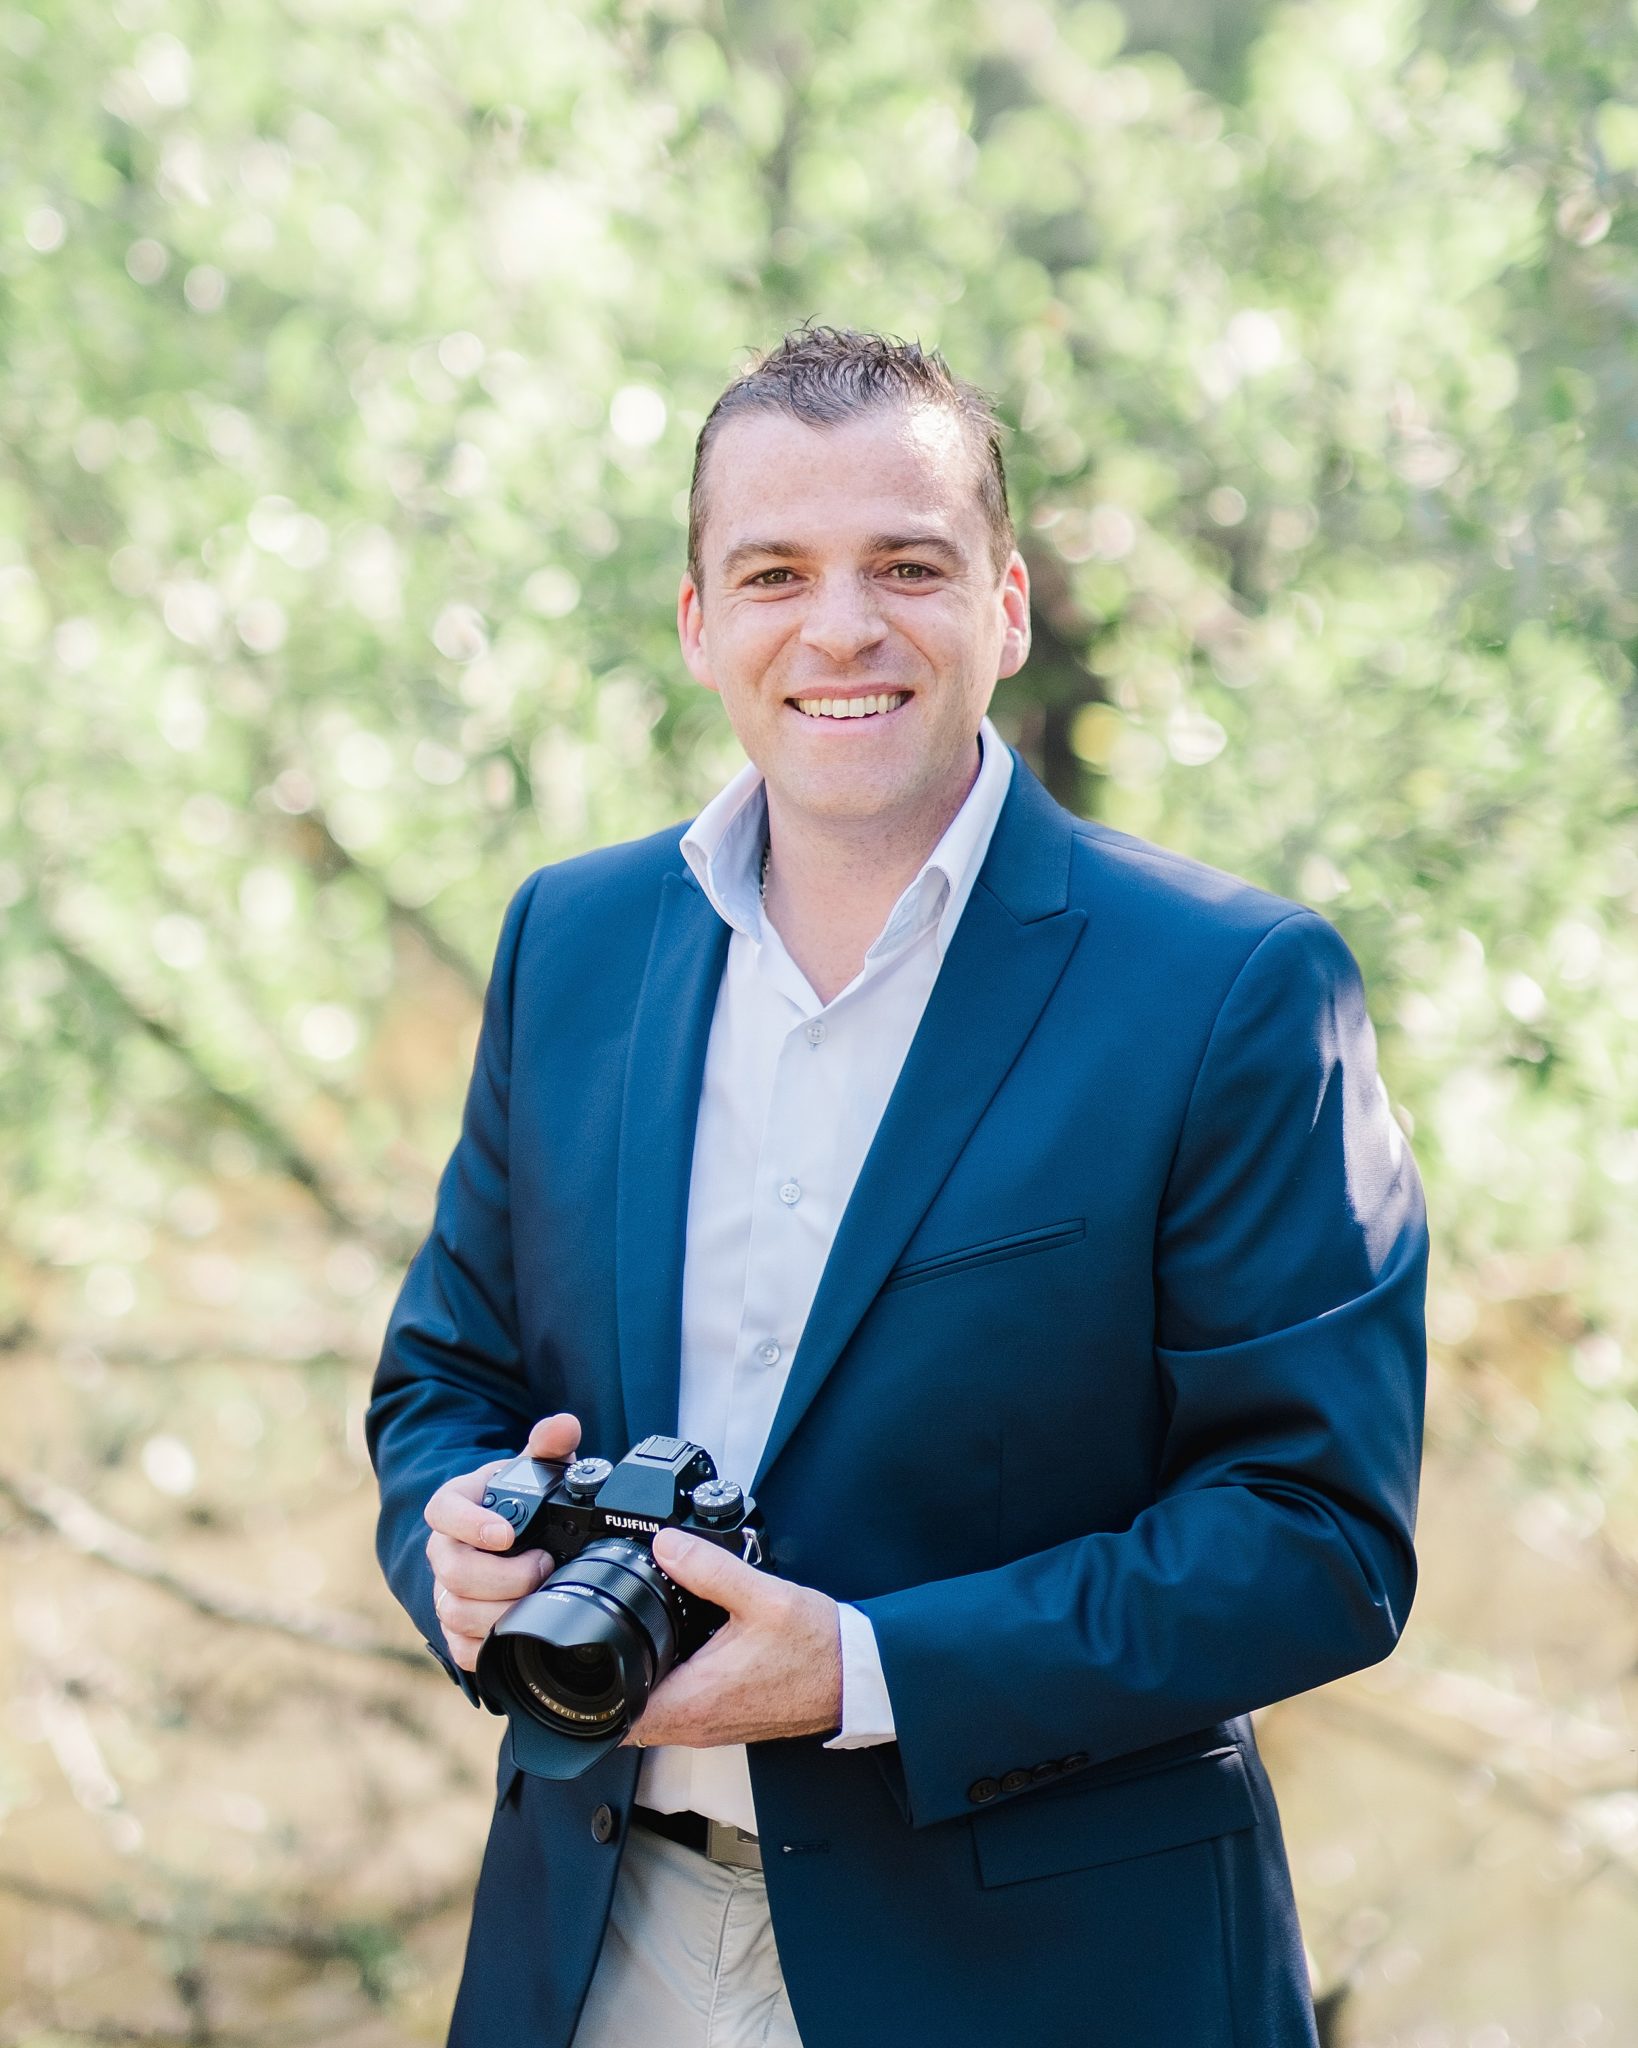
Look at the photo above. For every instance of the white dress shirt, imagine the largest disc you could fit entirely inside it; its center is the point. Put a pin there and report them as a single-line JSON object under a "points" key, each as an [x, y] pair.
{"points": [[793, 1092]]}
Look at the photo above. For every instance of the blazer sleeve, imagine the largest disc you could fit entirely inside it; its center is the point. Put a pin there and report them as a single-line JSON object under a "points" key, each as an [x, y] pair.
{"points": [[449, 1391], [1289, 1273]]}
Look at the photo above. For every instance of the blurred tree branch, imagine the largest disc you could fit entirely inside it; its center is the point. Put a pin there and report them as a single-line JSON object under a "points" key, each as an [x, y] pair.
{"points": [[285, 1151], [369, 1944], [247, 1924], [1519, 1789], [1063, 681], [334, 858], [76, 1522], [23, 1337], [113, 2031]]}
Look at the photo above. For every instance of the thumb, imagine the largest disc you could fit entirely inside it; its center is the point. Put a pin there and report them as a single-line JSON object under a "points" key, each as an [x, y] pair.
{"points": [[555, 1436], [701, 1567]]}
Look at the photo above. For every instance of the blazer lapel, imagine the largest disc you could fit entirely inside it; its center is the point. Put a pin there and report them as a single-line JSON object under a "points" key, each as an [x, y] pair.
{"points": [[664, 1070], [1008, 954]]}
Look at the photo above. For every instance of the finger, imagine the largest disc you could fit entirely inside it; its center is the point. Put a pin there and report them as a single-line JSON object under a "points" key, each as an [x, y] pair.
{"points": [[555, 1436], [475, 1575], [464, 1650], [455, 1510], [703, 1568], [471, 1618]]}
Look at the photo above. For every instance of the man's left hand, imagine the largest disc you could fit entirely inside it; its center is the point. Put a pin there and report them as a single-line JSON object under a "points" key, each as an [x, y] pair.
{"points": [[773, 1669]]}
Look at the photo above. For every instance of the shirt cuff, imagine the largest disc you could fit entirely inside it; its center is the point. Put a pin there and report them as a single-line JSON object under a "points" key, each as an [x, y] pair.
{"points": [[867, 1712]]}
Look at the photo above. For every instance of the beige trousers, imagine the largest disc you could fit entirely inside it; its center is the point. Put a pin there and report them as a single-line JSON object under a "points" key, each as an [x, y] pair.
{"points": [[688, 1960]]}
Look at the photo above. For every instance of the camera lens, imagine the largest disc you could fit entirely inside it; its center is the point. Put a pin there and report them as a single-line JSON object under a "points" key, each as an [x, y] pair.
{"points": [[587, 1670], [583, 1654], [576, 1687]]}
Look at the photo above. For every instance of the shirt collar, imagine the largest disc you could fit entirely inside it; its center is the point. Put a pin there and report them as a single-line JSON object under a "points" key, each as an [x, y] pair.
{"points": [[723, 849]]}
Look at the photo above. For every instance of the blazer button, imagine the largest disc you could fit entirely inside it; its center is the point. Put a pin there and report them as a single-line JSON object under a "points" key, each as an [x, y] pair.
{"points": [[1077, 1762], [982, 1790], [1042, 1772], [1014, 1781], [602, 1824]]}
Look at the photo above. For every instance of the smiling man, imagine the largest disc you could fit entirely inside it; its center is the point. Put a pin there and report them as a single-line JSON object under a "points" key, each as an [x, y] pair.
{"points": [[1014, 1206]]}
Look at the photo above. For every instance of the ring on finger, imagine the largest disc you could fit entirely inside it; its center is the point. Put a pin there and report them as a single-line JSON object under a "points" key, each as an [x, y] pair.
{"points": [[440, 1593]]}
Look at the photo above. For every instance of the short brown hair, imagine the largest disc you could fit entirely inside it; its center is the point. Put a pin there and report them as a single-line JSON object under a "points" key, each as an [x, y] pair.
{"points": [[824, 375]]}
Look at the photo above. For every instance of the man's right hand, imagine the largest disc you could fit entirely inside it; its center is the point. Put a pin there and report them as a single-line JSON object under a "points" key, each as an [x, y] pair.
{"points": [[471, 1586]]}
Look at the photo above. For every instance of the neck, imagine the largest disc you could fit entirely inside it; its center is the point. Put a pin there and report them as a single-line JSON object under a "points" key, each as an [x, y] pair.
{"points": [[832, 882]]}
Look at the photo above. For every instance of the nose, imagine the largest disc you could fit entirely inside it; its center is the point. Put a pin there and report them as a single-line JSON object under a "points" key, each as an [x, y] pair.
{"points": [[842, 619]]}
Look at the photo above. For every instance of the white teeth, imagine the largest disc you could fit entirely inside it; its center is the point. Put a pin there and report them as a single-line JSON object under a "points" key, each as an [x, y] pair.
{"points": [[850, 707]]}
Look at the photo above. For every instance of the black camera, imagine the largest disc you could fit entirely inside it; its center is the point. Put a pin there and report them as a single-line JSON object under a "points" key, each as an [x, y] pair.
{"points": [[572, 1664]]}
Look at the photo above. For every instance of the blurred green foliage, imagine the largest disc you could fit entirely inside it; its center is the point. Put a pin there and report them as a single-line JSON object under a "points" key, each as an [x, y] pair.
{"points": [[350, 358], [352, 355]]}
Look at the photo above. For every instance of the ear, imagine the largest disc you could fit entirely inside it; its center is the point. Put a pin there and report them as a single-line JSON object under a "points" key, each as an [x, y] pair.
{"points": [[1015, 614], [691, 631]]}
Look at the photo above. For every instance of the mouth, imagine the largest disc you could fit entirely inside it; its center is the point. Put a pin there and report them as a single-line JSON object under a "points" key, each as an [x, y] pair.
{"points": [[865, 705]]}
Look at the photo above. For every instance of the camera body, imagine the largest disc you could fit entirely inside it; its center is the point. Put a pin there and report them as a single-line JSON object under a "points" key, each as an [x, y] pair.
{"points": [[560, 1506], [572, 1664]]}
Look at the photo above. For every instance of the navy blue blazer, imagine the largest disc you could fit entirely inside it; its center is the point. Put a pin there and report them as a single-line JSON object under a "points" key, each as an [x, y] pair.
{"points": [[1107, 1414]]}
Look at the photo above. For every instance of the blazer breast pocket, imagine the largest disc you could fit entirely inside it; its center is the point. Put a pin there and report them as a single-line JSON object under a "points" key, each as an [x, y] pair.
{"points": [[1018, 1244], [1191, 1800]]}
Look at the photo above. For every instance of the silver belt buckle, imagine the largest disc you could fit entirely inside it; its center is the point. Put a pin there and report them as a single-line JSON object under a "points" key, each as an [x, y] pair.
{"points": [[725, 1844]]}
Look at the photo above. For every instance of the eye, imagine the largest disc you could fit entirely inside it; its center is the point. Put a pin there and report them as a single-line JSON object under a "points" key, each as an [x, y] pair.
{"points": [[911, 572], [767, 578]]}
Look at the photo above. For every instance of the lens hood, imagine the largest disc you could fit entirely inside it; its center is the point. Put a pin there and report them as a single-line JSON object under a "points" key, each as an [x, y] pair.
{"points": [[608, 1600]]}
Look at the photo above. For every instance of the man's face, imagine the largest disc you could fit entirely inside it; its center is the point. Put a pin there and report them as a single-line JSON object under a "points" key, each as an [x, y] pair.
{"points": [[848, 570]]}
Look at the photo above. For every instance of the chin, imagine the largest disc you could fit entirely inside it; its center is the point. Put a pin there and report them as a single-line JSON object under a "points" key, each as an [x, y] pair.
{"points": [[844, 797]]}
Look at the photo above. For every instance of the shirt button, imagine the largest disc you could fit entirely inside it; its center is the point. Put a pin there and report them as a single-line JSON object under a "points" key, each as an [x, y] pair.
{"points": [[816, 1033], [790, 1194], [769, 1353]]}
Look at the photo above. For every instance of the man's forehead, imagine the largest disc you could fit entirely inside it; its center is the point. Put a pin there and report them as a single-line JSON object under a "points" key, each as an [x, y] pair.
{"points": [[771, 465]]}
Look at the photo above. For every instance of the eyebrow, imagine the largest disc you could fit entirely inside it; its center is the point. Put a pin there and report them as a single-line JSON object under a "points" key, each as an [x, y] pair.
{"points": [[915, 544], [877, 544], [748, 550]]}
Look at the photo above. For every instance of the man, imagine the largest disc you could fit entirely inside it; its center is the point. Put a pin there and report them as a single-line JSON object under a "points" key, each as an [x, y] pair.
{"points": [[1014, 1206]]}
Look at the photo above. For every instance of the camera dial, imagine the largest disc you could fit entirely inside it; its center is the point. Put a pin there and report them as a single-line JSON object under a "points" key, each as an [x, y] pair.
{"points": [[718, 1500], [585, 1476]]}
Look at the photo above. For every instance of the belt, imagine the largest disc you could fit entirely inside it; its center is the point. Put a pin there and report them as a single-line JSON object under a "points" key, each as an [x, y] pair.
{"points": [[712, 1838]]}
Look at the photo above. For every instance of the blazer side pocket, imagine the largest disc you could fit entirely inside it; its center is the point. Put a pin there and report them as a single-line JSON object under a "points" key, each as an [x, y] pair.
{"points": [[1044, 1237], [1189, 1801]]}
